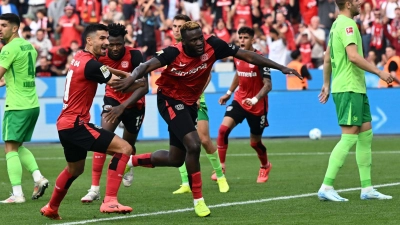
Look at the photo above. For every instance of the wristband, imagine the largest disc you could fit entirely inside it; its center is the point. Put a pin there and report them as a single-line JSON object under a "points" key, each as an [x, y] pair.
{"points": [[254, 100], [229, 92]]}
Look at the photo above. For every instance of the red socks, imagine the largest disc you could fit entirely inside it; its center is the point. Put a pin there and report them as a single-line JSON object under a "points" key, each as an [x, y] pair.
{"points": [[97, 167], [261, 152], [195, 184], [63, 182], [142, 160], [114, 175], [222, 142]]}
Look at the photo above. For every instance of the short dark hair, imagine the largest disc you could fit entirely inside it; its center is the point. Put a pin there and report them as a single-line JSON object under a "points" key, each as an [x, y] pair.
{"points": [[116, 30], [340, 3], [11, 18], [295, 54], [182, 17], [40, 30], [92, 28], [391, 46], [246, 30], [272, 30]]}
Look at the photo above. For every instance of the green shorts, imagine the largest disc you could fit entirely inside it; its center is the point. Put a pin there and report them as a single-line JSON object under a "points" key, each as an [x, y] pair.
{"points": [[202, 113], [352, 109], [18, 125]]}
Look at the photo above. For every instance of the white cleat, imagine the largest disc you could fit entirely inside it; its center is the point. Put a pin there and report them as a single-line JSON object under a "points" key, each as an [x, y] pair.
{"points": [[39, 188], [128, 178], [91, 196], [374, 194], [14, 199], [330, 195]]}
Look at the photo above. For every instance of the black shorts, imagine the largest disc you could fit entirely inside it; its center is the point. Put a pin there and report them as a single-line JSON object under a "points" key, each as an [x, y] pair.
{"points": [[132, 118], [238, 114], [84, 137], [181, 118]]}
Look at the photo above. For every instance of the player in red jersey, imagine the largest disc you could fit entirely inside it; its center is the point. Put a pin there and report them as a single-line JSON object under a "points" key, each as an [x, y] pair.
{"points": [[250, 103], [126, 107], [77, 135], [179, 87]]}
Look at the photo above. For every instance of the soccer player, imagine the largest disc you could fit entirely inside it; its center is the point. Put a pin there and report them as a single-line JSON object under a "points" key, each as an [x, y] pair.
{"points": [[77, 135], [202, 128], [179, 88], [250, 103], [17, 67], [126, 107], [344, 58]]}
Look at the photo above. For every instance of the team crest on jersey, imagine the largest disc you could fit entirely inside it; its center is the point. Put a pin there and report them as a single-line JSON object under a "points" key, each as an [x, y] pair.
{"points": [[204, 57], [349, 30], [124, 64], [104, 70]]}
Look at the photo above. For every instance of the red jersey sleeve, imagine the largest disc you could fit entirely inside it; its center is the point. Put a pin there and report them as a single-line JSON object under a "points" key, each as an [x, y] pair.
{"points": [[167, 55], [221, 48], [96, 71]]}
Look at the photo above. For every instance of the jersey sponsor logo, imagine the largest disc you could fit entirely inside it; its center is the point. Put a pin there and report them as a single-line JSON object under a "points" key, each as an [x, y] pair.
{"points": [[124, 64], [349, 31], [179, 107], [106, 73], [160, 52], [204, 57], [192, 71], [247, 74]]}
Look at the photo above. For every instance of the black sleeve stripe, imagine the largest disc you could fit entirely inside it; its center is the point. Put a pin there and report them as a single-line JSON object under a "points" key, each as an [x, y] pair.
{"points": [[221, 48], [96, 71], [136, 58], [265, 72]]}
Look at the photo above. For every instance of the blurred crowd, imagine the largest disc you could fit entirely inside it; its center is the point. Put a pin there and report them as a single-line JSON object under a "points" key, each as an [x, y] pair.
{"points": [[54, 27]]}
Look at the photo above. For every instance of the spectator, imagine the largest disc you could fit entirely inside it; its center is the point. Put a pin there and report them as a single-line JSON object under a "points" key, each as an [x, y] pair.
{"points": [[367, 17], [377, 41], [112, 13], [221, 31], [392, 66], [318, 42], [58, 57], [128, 9], [293, 82], [54, 13], [146, 35], [90, 11], [41, 43], [395, 24], [35, 5], [277, 47], [222, 10], [7, 7], [192, 9], [308, 9], [129, 38], [241, 13], [43, 69], [388, 8], [74, 48], [303, 42], [371, 58], [285, 7], [30, 22], [285, 29], [327, 13], [69, 28], [43, 22], [26, 33], [394, 38]]}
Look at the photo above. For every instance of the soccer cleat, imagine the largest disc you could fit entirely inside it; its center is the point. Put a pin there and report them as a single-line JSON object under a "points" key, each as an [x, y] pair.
{"points": [[330, 195], [128, 176], [201, 209], [263, 174], [214, 175], [50, 213], [183, 189], [114, 207], [91, 196], [374, 194], [223, 185], [39, 188], [14, 199]]}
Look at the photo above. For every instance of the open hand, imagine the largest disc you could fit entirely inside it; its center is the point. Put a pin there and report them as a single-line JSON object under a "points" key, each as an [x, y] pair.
{"points": [[112, 115], [324, 94]]}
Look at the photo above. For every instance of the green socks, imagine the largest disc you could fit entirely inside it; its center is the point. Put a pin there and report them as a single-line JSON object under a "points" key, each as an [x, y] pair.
{"points": [[14, 168], [338, 156], [184, 174], [27, 159], [216, 164], [364, 157]]}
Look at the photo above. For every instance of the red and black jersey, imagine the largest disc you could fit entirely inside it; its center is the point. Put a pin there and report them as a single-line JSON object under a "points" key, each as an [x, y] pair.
{"points": [[185, 76], [250, 83], [129, 61], [85, 72]]}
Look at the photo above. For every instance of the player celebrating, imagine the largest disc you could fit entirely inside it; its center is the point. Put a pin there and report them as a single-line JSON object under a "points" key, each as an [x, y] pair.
{"points": [[128, 108], [202, 128], [77, 135], [344, 57], [250, 103], [17, 67], [179, 88]]}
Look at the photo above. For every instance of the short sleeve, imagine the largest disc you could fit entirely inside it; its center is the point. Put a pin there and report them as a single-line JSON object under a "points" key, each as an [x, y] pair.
{"points": [[7, 57], [96, 71], [221, 48], [136, 58], [167, 55], [393, 66], [349, 34], [265, 72]]}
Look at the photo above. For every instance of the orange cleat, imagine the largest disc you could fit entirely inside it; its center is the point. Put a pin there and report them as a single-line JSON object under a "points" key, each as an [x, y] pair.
{"points": [[214, 175], [114, 207], [263, 173], [47, 211]]}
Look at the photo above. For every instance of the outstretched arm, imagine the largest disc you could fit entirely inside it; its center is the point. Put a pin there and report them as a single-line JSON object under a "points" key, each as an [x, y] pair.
{"points": [[227, 96]]}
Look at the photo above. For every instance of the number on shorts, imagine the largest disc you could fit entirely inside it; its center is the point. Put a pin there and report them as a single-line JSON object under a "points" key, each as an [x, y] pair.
{"points": [[262, 122], [67, 85], [139, 121], [31, 68]]}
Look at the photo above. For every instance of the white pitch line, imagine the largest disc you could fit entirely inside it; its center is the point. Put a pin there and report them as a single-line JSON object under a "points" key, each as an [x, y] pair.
{"points": [[217, 206], [244, 155]]}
